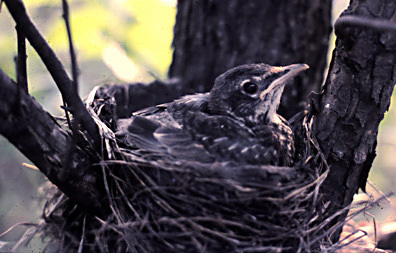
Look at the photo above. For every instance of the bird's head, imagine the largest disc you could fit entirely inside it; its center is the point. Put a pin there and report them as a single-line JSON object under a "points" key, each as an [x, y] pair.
{"points": [[252, 91]]}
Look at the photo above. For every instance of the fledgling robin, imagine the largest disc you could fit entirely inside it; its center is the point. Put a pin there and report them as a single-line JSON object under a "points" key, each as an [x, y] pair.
{"points": [[235, 122]]}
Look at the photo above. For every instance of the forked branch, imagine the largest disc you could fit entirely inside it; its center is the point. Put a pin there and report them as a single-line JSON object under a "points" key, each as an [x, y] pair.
{"points": [[56, 69], [39, 137]]}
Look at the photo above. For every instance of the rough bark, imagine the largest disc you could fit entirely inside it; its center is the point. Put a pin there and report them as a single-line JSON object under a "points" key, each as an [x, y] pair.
{"points": [[213, 36], [356, 95], [41, 139]]}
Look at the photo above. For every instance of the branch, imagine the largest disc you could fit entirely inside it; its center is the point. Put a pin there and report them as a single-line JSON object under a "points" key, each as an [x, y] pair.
{"points": [[38, 136], [73, 59], [72, 125], [21, 60], [361, 22], [54, 66]]}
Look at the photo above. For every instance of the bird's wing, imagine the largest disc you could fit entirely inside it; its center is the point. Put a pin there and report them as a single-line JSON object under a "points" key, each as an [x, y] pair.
{"points": [[160, 136], [195, 137], [151, 110], [230, 139], [157, 141]]}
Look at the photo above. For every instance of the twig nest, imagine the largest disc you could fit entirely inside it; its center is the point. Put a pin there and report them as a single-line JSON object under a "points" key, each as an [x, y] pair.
{"points": [[163, 205]]}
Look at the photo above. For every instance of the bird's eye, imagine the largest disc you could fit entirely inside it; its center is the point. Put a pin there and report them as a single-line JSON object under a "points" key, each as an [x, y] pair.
{"points": [[250, 87]]}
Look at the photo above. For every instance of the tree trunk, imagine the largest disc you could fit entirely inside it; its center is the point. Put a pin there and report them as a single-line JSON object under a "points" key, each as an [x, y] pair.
{"points": [[213, 36], [356, 95]]}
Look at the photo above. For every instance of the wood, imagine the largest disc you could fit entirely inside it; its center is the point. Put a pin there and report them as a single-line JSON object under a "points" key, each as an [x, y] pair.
{"points": [[356, 96], [55, 68], [39, 137]]}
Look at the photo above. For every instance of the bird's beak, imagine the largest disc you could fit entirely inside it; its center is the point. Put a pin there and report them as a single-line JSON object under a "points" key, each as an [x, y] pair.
{"points": [[289, 72]]}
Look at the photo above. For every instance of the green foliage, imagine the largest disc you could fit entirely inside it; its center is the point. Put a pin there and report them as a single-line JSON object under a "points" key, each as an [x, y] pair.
{"points": [[138, 31]]}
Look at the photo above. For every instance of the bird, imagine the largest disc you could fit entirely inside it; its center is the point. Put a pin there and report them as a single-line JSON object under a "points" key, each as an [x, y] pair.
{"points": [[235, 122]]}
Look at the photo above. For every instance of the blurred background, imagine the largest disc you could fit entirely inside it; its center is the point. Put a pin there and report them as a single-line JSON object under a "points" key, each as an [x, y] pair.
{"points": [[138, 50]]}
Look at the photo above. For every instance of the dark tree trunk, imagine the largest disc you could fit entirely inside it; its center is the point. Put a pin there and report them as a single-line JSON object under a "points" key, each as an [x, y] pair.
{"points": [[356, 95], [213, 36]]}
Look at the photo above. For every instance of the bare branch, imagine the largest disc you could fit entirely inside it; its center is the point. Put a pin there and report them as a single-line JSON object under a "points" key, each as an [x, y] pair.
{"points": [[362, 22], [39, 137], [21, 60], [55, 67], [74, 125], [66, 17]]}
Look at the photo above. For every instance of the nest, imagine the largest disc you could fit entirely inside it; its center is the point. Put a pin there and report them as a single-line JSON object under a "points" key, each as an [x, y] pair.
{"points": [[163, 205]]}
